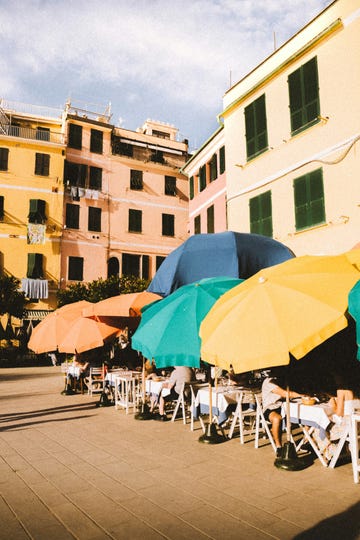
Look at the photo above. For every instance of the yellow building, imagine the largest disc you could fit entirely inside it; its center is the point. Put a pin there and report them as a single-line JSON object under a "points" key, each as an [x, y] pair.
{"points": [[31, 200], [296, 174]]}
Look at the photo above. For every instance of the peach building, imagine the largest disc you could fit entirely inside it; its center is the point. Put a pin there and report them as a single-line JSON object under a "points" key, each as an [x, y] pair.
{"points": [[207, 186], [296, 177]]}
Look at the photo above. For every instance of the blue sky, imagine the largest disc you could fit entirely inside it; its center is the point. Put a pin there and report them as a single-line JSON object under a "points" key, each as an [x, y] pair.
{"points": [[168, 60]]}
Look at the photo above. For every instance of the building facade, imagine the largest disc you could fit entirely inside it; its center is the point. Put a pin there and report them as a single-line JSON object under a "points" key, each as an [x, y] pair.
{"points": [[206, 171], [295, 176]]}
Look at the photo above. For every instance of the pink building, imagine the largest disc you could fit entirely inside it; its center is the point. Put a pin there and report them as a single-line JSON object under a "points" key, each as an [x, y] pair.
{"points": [[207, 186]]}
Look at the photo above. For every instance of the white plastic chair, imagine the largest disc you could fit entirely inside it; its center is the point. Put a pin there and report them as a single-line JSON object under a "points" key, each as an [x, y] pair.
{"points": [[262, 425], [95, 381], [180, 402], [354, 444], [239, 417], [194, 388]]}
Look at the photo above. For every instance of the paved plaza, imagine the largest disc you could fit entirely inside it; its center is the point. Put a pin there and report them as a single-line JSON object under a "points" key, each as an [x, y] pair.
{"points": [[69, 469]]}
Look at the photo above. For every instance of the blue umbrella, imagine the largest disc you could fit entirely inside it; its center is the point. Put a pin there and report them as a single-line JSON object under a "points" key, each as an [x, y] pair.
{"points": [[354, 310], [232, 254], [169, 328]]}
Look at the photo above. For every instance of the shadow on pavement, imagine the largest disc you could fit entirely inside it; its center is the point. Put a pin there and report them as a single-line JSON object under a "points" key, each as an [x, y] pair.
{"points": [[345, 525]]}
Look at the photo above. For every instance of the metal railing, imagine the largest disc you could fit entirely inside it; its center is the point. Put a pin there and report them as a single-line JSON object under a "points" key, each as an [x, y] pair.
{"points": [[34, 134], [14, 107]]}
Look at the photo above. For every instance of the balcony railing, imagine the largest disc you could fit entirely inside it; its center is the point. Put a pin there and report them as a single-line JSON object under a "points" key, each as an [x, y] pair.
{"points": [[34, 134], [15, 107]]}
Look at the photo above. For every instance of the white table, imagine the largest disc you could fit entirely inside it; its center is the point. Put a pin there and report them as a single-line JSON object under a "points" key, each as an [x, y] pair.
{"points": [[223, 401], [127, 390], [155, 387]]}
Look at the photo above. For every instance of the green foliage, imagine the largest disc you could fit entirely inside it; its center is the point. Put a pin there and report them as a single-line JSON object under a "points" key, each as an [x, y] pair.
{"points": [[100, 289], [12, 301]]}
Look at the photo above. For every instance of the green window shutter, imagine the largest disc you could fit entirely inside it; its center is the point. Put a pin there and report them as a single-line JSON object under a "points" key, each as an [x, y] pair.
{"points": [[191, 187], [202, 178], [35, 266], [76, 269], [197, 225], [4, 159], [210, 219], [42, 164], [256, 127], [316, 188], [72, 216], [261, 214], [36, 211], [304, 95], [75, 136], [168, 225], [94, 219], [300, 194], [96, 141], [213, 168], [145, 266], [309, 200], [135, 221], [222, 159]]}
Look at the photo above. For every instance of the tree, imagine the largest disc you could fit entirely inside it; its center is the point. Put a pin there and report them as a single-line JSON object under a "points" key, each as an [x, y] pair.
{"points": [[12, 301], [100, 289]]}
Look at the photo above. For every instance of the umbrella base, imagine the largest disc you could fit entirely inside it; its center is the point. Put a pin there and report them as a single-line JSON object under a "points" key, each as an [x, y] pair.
{"points": [[104, 401], [68, 391], [143, 413], [211, 435], [289, 460]]}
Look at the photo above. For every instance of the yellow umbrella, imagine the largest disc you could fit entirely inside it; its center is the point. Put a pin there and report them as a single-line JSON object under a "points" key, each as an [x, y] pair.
{"points": [[288, 308]]}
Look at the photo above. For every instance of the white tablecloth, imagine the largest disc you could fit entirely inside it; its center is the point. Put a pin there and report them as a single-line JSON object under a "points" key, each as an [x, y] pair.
{"points": [[309, 415], [156, 387], [224, 400], [111, 375]]}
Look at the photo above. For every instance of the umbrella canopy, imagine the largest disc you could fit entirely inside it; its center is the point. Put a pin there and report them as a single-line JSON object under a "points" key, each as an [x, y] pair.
{"points": [[124, 306], [85, 334], [169, 329], [231, 254], [354, 310], [289, 308], [47, 335]]}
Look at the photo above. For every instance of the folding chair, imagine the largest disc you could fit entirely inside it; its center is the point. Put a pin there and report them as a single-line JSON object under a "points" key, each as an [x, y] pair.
{"points": [[194, 387], [181, 401], [354, 445], [262, 425], [95, 381], [240, 415]]}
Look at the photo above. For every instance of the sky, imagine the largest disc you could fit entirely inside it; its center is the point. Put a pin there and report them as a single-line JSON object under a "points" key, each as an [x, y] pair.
{"points": [[166, 60]]}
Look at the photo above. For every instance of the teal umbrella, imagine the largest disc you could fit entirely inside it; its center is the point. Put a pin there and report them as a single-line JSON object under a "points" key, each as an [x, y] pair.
{"points": [[354, 310], [169, 328]]}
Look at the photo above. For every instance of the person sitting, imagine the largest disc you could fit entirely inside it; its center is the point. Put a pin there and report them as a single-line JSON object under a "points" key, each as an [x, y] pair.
{"points": [[273, 394], [83, 366], [180, 375]]}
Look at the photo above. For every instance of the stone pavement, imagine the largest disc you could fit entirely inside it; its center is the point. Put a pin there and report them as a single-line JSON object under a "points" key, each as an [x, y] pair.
{"points": [[71, 470]]}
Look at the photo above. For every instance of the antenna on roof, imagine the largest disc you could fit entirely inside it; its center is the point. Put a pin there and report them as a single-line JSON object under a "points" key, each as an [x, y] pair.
{"points": [[274, 38], [230, 78]]}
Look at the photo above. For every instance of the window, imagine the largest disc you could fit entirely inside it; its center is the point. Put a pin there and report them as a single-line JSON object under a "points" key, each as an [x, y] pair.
{"points": [[157, 156], [75, 174], [191, 187], [122, 148], [4, 159], [197, 225], [130, 265], [136, 179], [72, 216], [202, 178], [213, 168], [135, 221], [43, 134], [95, 178], [168, 224], [145, 266], [261, 214], [113, 267], [256, 129], [309, 200], [75, 136], [170, 185], [35, 266], [210, 219], [222, 159], [96, 141], [36, 211], [42, 164], [1, 208], [304, 96], [159, 261], [94, 219], [76, 269]]}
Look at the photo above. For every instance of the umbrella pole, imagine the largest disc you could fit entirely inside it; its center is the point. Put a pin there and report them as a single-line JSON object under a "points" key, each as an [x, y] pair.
{"points": [[143, 411]]}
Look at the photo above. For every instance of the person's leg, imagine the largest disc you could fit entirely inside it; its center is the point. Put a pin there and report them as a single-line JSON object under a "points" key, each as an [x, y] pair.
{"points": [[276, 428]]}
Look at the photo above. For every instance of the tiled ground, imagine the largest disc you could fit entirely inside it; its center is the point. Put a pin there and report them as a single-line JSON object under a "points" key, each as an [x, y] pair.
{"points": [[71, 470]]}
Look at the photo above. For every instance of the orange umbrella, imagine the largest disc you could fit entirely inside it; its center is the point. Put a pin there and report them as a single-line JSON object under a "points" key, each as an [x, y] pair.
{"points": [[85, 334], [126, 307], [47, 335]]}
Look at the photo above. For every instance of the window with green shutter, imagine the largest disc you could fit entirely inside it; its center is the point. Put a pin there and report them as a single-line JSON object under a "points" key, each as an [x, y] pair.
{"points": [[256, 128], [76, 269], [168, 225], [136, 180], [94, 219], [42, 164], [35, 266], [202, 178], [309, 200], [96, 141], [95, 178], [135, 221], [130, 265], [213, 168], [304, 96], [261, 214], [191, 188], [197, 225], [36, 211], [75, 136], [222, 159], [72, 216], [210, 219]]}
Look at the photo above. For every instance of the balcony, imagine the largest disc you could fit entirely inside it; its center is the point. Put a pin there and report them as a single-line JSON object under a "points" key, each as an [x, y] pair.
{"points": [[35, 134]]}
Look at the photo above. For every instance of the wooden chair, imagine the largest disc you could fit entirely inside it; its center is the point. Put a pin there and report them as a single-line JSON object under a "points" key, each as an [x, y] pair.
{"points": [[95, 381]]}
